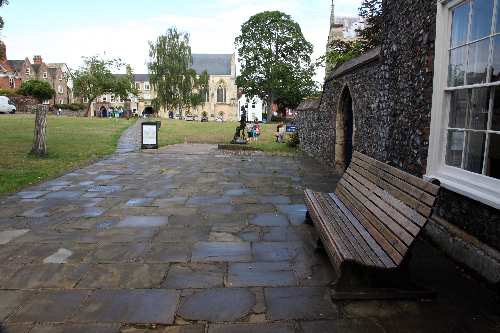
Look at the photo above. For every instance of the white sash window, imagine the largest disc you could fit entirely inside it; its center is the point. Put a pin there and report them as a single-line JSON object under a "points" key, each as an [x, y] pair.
{"points": [[464, 151]]}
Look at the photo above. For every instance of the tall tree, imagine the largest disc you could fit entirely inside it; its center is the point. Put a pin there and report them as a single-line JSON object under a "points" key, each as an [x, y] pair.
{"points": [[2, 3], [95, 78], [176, 84], [275, 59], [371, 35], [41, 91]]}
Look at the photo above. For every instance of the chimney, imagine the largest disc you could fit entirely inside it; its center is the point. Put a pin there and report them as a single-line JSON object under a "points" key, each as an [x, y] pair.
{"points": [[37, 60], [3, 51]]}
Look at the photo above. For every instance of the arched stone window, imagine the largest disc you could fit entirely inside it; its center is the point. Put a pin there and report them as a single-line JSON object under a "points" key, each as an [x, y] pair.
{"points": [[221, 94]]}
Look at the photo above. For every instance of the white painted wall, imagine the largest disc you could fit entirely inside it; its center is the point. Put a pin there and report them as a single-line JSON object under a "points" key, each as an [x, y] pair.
{"points": [[255, 107]]}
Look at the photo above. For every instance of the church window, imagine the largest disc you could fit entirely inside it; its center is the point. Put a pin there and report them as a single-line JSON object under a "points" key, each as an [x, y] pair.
{"points": [[221, 94], [464, 151]]}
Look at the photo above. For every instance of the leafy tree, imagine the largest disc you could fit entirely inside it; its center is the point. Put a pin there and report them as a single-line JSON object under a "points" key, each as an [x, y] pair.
{"points": [[275, 59], [95, 78], [371, 36], [340, 51], [176, 83], [2, 3], [42, 91]]}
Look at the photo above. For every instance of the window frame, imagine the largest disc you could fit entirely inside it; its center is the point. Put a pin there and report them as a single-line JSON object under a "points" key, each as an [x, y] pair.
{"points": [[45, 75], [147, 86], [479, 187]]}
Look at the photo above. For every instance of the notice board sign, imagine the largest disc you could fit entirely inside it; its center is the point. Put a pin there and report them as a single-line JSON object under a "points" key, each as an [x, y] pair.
{"points": [[149, 135]]}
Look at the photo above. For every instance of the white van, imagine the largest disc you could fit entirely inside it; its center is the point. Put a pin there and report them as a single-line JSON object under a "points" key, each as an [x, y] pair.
{"points": [[6, 106]]}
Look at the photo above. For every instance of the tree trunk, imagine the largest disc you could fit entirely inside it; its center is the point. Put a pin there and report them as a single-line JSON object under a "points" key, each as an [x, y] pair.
{"points": [[39, 141], [87, 113]]}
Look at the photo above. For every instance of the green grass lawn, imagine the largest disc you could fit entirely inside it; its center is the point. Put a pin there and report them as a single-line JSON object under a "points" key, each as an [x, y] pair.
{"points": [[71, 142], [180, 131]]}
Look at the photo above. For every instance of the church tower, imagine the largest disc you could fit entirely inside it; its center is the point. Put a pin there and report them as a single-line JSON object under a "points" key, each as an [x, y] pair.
{"points": [[336, 30]]}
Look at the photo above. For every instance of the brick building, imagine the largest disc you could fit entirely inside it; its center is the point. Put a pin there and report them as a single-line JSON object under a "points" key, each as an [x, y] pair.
{"points": [[14, 72]]}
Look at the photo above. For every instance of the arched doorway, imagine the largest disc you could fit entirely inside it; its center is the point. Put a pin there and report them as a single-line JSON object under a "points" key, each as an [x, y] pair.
{"points": [[148, 111], [103, 112], [344, 131]]}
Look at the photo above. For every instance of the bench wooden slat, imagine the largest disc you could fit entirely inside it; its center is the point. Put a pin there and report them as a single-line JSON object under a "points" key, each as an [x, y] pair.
{"points": [[374, 216], [367, 254], [337, 227], [418, 194], [400, 195], [392, 244], [411, 214], [415, 181], [392, 213], [329, 239], [401, 233], [369, 239]]}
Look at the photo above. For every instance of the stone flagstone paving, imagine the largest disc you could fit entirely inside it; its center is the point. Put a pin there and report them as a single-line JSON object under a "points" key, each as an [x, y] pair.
{"points": [[192, 239]]}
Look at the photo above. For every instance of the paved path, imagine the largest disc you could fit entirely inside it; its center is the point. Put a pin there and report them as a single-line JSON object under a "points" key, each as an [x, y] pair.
{"points": [[130, 140], [190, 239]]}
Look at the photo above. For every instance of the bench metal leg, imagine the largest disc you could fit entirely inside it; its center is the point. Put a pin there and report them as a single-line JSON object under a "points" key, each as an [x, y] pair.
{"points": [[357, 283], [308, 219]]}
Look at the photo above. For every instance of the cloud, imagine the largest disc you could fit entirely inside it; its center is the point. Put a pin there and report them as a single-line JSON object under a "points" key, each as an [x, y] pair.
{"points": [[213, 26]]}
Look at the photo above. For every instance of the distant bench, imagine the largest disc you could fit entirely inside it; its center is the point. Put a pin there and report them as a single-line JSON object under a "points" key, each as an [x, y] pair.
{"points": [[371, 222]]}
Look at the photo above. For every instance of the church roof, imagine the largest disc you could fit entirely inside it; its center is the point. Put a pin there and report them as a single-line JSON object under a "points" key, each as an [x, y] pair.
{"points": [[16, 64], [215, 64]]}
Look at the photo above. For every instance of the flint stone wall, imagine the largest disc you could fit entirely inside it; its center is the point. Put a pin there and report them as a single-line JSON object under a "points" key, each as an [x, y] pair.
{"points": [[392, 102]]}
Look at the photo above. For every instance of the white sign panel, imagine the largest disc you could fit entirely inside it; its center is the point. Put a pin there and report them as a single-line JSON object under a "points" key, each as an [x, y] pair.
{"points": [[149, 134]]}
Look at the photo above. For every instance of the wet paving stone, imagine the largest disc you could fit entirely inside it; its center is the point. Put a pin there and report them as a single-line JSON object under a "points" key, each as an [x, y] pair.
{"points": [[261, 275], [31, 194], [143, 222], [269, 219], [65, 195], [76, 328], [168, 253], [46, 276], [125, 235], [208, 200], [139, 202], [10, 301], [221, 252], [186, 234], [119, 253], [9, 235], [296, 213], [130, 307], [196, 328], [217, 305], [125, 276], [276, 251], [342, 326], [54, 306], [251, 328], [281, 234], [194, 276], [275, 199], [299, 303]]}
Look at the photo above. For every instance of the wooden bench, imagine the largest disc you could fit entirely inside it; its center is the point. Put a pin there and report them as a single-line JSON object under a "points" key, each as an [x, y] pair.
{"points": [[368, 226]]}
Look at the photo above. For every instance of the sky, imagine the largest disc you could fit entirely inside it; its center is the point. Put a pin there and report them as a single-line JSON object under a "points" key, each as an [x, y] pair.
{"points": [[66, 30]]}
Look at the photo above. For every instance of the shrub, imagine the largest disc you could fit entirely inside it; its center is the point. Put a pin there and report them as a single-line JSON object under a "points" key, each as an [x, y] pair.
{"points": [[41, 90], [293, 139], [7, 92]]}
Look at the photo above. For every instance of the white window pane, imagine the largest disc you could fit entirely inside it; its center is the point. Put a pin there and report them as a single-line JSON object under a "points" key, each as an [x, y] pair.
{"points": [[474, 151], [495, 119], [493, 161], [456, 71], [460, 24], [495, 66], [478, 62], [478, 109], [454, 148], [482, 17], [458, 108]]}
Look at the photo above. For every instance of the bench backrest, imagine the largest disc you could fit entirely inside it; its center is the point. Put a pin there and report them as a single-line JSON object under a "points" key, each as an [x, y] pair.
{"points": [[392, 205]]}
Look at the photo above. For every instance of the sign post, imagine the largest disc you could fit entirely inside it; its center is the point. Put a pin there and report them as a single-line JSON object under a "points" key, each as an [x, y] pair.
{"points": [[149, 135]]}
